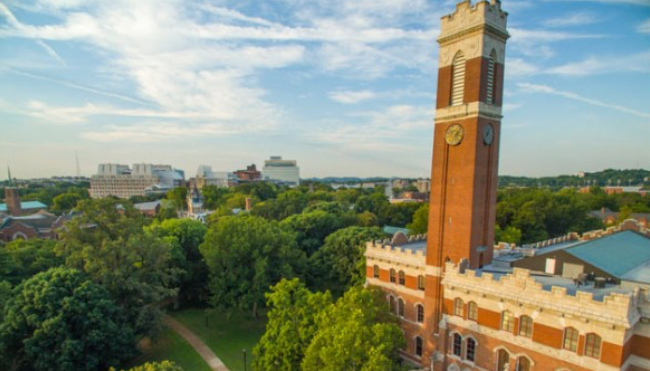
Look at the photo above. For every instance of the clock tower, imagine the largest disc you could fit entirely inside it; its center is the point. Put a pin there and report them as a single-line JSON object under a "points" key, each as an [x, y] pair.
{"points": [[464, 169]]}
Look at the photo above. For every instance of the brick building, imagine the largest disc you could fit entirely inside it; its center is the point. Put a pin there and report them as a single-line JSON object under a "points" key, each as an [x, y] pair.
{"points": [[457, 310]]}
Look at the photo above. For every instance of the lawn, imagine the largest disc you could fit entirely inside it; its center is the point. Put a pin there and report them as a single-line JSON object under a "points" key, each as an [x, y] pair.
{"points": [[226, 337], [171, 346]]}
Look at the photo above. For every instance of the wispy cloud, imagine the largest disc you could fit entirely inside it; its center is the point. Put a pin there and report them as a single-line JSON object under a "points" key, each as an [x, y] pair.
{"points": [[574, 19], [352, 97], [644, 27], [545, 89], [638, 62]]}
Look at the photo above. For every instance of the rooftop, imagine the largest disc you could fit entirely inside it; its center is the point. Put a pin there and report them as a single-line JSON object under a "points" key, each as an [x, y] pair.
{"points": [[26, 205]]}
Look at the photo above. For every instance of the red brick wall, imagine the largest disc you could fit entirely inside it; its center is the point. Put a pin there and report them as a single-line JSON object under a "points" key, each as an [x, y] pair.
{"points": [[640, 346], [546, 335], [489, 318], [444, 87]]}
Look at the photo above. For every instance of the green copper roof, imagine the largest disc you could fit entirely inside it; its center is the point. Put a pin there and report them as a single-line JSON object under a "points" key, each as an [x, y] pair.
{"points": [[616, 254], [392, 230], [27, 205]]}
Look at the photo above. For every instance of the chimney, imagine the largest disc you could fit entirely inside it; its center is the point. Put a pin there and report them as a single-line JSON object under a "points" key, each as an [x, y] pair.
{"points": [[12, 198], [249, 203]]}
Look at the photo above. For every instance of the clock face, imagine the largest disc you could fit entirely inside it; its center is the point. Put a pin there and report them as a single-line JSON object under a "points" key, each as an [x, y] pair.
{"points": [[488, 134], [454, 135]]}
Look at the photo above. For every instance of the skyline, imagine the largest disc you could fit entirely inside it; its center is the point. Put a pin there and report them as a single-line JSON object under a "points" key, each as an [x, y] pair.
{"points": [[344, 89]]}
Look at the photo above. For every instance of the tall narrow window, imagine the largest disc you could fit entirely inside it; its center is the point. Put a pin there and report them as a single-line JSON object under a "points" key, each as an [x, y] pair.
{"points": [[489, 98], [457, 347], [391, 304], [507, 321], [402, 278], [570, 339], [470, 351], [457, 79], [418, 346], [392, 275], [523, 364], [420, 311], [472, 311], [421, 283], [592, 346], [525, 326], [375, 271], [458, 307], [400, 307]]}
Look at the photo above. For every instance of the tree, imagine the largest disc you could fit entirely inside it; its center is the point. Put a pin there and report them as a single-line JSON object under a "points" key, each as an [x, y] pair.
{"points": [[340, 263], [178, 197], [109, 244], [312, 228], [22, 259], [185, 236], [67, 201], [61, 320], [510, 235], [155, 366], [245, 255], [291, 326], [213, 196], [356, 333], [420, 223]]}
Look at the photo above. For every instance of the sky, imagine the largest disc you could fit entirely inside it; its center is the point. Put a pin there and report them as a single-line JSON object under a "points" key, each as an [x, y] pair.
{"points": [[346, 88]]}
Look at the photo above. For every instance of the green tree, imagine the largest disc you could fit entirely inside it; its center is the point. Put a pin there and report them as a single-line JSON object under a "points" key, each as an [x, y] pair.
{"points": [[178, 197], [155, 366], [67, 201], [356, 333], [291, 326], [510, 235], [312, 228], [61, 320], [340, 263], [245, 255], [420, 223], [286, 204], [109, 244], [22, 259], [185, 236], [213, 196]]}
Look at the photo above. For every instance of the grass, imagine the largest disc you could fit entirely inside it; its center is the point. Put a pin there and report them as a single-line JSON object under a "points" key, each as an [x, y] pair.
{"points": [[171, 346], [226, 337]]}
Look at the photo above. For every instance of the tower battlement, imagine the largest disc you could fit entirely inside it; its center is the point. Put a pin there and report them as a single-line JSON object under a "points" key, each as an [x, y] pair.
{"points": [[385, 250], [467, 17]]}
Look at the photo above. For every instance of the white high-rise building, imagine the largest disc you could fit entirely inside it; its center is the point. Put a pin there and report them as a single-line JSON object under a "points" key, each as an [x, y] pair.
{"points": [[121, 181], [205, 176], [281, 171]]}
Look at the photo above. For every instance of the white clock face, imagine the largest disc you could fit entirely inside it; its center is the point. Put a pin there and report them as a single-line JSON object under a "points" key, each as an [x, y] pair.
{"points": [[488, 134]]}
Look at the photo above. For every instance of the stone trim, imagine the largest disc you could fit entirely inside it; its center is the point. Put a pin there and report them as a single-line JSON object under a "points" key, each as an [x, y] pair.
{"points": [[463, 111], [396, 288]]}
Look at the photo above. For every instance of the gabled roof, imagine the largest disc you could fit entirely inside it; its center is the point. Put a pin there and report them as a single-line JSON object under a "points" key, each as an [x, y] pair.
{"points": [[616, 254]]}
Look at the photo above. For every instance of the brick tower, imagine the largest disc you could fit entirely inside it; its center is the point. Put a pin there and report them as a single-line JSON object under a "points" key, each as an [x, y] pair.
{"points": [[466, 146], [12, 198]]}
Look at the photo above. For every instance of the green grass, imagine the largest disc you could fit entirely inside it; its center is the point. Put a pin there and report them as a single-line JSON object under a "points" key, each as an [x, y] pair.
{"points": [[226, 337], [171, 346]]}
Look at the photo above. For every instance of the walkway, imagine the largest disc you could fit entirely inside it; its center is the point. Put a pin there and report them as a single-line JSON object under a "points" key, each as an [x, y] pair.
{"points": [[204, 351]]}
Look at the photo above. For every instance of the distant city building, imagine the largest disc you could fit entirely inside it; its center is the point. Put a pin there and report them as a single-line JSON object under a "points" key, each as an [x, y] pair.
{"points": [[281, 171], [423, 185], [122, 182], [18, 225], [610, 217], [205, 176], [251, 174], [149, 209], [15, 207]]}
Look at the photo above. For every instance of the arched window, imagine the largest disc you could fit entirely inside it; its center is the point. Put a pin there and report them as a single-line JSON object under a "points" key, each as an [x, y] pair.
{"points": [[458, 307], [402, 278], [525, 326], [523, 364], [457, 345], [470, 350], [400, 307], [392, 275], [472, 311], [418, 346], [503, 359], [489, 98], [507, 321], [592, 346], [421, 283], [570, 339], [375, 271], [391, 304], [457, 79], [420, 312]]}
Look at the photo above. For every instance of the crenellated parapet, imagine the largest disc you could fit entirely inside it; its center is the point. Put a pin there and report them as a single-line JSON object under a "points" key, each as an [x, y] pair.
{"points": [[467, 17], [410, 252], [520, 288]]}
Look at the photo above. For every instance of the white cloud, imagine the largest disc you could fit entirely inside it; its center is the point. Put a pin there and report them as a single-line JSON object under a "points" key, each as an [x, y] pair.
{"points": [[639, 62], [352, 97], [574, 19], [644, 27], [545, 89]]}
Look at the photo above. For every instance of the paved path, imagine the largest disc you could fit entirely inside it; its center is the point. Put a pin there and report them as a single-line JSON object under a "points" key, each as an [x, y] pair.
{"points": [[204, 351]]}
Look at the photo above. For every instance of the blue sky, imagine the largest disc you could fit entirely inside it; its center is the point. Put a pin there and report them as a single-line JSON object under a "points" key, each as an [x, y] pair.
{"points": [[343, 87]]}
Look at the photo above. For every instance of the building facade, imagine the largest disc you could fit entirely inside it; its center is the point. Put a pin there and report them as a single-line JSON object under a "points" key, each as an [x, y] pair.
{"points": [[281, 171], [123, 182], [457, 310]]}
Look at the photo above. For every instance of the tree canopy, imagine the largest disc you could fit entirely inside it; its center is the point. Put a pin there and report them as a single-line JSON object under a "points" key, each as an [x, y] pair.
{"points": [[60, 320]]}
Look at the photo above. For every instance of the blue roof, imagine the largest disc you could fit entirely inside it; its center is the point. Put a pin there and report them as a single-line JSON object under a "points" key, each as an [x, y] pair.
{"points": [[26, 205], [392, 230], [616, 254]]}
